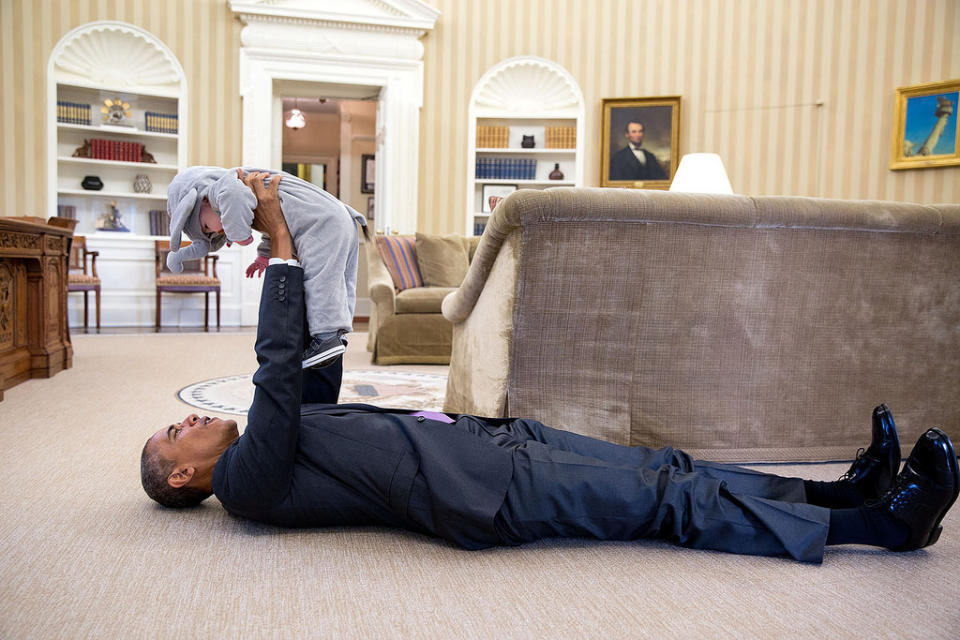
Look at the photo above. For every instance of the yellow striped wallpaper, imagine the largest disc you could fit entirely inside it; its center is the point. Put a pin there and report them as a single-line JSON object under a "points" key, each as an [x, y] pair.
{"points": [[203, 34], [795, 95]]}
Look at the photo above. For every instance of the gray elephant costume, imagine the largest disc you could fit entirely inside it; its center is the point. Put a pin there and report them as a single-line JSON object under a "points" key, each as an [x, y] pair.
{"points": [[324, 232]]}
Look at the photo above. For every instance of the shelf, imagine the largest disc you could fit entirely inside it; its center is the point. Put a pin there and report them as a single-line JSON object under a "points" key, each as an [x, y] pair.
{"points": [[490, 114], [111, 194], [119, 163], [170, 95], [554, 183], [123, 131], [530, 151]]}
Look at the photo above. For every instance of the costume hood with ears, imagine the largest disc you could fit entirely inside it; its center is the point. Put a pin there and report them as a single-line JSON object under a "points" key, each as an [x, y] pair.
{"points": [[184, 199]]}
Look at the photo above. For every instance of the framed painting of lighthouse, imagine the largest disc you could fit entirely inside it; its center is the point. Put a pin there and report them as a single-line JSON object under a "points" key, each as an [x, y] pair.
{"points": [[925, 132]]}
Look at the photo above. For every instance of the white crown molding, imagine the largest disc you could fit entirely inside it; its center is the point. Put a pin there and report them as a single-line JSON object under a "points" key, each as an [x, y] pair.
{"points": [[409, 17], [119, 56]]}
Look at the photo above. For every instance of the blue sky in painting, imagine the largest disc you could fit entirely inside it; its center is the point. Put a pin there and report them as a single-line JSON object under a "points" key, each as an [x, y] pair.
{"points": [[920, 121]]}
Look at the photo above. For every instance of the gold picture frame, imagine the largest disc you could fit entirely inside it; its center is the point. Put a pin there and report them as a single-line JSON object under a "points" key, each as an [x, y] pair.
{"points": [[925, 131], [659, 142]]}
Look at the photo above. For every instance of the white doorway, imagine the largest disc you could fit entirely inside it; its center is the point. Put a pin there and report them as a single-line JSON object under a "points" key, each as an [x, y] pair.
{"points": [[361, 50]]}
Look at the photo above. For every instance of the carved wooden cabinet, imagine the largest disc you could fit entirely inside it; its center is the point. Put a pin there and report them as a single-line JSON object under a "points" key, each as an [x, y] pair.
{"points": [[34, 337]]}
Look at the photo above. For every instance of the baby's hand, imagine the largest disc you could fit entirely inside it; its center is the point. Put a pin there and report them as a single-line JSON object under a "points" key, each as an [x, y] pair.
{"points": [[257, 267]]}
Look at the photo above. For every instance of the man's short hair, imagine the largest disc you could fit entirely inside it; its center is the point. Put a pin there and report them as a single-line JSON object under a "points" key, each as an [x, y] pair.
{"points": [[626, 128], [154, 470]]}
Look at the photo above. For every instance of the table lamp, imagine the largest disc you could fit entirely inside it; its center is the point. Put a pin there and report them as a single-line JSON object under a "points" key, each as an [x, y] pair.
{"points": [[701, 173]]}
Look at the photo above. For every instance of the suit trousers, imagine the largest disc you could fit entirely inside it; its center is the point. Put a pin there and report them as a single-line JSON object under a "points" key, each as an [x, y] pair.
{"points": [[568, 485]]}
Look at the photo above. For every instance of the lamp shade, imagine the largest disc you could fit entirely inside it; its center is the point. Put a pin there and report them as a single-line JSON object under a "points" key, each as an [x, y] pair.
{"points": [[701, 173]]}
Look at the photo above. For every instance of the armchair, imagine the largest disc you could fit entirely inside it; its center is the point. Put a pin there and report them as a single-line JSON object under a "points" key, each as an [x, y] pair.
{"points": [[83, 279], [195, 278]]}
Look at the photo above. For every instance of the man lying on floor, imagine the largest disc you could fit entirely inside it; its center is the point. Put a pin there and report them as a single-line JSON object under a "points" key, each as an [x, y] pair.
{"points": [[304, 461]]}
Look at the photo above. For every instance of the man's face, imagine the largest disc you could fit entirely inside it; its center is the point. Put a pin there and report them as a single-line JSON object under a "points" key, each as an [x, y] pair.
{"points": [[635, 133], [195, 440]]}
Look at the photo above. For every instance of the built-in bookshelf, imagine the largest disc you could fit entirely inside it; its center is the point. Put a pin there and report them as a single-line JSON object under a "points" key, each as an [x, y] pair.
{"points": [[116, 129], [131, 163], [525, 132]]}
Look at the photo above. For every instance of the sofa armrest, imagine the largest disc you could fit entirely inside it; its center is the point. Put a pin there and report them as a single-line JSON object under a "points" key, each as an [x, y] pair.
{"points": [[379, 283], [504, 220]]}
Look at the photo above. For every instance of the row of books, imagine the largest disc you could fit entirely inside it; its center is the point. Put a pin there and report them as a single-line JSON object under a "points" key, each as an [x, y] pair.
{"points": [[66, 211], [161, 122], [478, 228], [489, 136], [116, 150], [564, 137], [159, 223], [73, 113], [506, 168]]}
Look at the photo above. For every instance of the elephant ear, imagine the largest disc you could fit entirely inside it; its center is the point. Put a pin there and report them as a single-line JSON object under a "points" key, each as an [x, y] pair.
{"points": [[180, 212], [236, 203]]}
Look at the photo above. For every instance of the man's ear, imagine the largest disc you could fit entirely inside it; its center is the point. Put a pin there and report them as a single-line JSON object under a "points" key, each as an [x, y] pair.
{"points": [[181, 477]]}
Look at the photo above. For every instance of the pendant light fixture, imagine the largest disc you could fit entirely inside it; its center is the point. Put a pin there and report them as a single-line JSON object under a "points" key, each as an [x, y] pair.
{"points": [[296, 119]]}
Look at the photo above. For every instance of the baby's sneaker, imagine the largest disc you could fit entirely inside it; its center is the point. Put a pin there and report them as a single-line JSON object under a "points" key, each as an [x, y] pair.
{"points": [[321, 353]]}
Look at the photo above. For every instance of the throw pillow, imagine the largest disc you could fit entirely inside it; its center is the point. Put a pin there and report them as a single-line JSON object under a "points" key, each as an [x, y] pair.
{"points": [[442, 259], [399, 254]]}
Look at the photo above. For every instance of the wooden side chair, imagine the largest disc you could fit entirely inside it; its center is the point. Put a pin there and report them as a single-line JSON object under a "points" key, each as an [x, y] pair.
{"points": [[84, 279], [195, 278]]}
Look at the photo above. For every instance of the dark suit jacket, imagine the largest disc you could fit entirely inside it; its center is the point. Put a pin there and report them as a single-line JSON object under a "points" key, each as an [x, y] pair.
{"points": [[322, 464], [625, 166]]}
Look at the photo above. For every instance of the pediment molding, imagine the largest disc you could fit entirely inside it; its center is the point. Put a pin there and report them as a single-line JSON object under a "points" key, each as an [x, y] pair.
{"points": [[411, 17]]}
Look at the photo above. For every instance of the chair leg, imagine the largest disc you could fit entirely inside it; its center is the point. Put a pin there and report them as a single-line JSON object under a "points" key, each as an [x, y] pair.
{"points": [[218, 309], [157, 326], [97, 294], [86, 310], [206, 311]]}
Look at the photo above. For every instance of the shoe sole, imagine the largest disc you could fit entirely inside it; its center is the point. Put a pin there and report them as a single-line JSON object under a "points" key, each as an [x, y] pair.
{"points": [[955, 470], [319, 359]]}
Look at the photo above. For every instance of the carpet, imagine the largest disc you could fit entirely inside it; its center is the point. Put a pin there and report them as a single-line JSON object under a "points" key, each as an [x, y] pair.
{"points": [[399, 389]]}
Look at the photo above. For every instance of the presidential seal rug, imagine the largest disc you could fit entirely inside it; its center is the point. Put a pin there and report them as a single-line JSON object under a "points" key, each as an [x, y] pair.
{"points": [[400, 389]]}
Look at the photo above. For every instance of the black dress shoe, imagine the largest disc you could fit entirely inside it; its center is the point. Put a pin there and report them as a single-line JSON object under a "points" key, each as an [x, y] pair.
{"points": [[924, 491], [874, 470]]}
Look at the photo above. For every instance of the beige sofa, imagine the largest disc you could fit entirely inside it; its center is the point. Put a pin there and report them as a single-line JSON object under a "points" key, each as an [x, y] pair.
{"points": [[407, 326], [735, 327]]}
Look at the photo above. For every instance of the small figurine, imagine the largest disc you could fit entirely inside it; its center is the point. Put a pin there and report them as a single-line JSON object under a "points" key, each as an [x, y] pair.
{"points": [[110, 221], [83, 151]]}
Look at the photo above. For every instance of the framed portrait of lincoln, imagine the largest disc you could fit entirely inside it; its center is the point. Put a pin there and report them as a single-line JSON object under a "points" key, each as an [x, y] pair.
{"points": [[641, 142]]}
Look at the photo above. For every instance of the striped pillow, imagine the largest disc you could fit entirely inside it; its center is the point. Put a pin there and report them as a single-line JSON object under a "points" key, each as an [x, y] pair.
{"points": [[399, 253]]}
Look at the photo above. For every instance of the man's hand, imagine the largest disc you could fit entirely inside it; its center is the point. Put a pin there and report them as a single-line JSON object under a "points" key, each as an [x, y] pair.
{"points": [[268, 217]]}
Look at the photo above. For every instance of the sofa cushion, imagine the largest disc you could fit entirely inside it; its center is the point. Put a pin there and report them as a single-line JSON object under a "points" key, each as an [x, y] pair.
{"points": [[399, 255], [470, 244], [422, 299], [442, 259]]}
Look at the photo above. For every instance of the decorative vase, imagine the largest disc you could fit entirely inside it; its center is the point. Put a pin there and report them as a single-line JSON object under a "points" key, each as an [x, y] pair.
{"points": [[142, 184], [528, 142], [556, 174], [92, 183]]}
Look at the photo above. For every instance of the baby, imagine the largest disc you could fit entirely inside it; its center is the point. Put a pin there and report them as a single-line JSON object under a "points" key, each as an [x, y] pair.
{"points": [[213, 206]]}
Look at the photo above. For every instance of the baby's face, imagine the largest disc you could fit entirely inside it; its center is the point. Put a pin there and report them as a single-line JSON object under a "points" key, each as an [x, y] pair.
{"points": [[209, 220]]}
